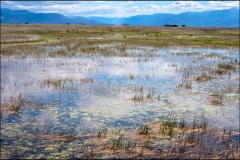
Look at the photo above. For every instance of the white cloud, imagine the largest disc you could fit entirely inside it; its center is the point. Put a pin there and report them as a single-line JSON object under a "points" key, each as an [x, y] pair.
{"points": [[153, 7], [27, 7], [221, 5], [126, 3], [115, 9], [185, 5]]}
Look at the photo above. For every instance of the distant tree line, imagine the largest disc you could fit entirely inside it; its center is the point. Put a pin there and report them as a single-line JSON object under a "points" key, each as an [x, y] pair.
{"points": [[174, 25], [125, 24]]}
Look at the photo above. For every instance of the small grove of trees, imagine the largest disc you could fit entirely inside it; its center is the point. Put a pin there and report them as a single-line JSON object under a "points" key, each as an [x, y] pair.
{"points": [[125, 24], [174, 25], [168, 25]]}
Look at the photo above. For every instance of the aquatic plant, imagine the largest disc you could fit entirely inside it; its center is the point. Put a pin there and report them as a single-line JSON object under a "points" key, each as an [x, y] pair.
{"points": [[117, 143], [170, 122], [149, 95], [138, 97], [102, 133], [17, 104], [144, 129], [203, 77], [191, 138], [182, 124]]}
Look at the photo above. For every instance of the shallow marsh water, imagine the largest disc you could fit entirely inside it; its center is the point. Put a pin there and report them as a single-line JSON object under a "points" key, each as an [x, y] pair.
{"points": [[80, 93]]}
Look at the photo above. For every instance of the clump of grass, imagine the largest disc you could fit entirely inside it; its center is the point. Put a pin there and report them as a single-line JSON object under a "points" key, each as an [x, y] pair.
{"points": [[131, 77], [203, 77], [102, 133], [170, 131], [117, 143], [86, 80], [71, 137], [144, 129], [186, 85], [170, 122], [191, 138], [127, 145], [15, 108], [150, 95], [182, 124], [203, 124], [52, 82], [220, 72], [167, 126], [216, 99], [223, 68], [227, 67], [88, 154], [195, 125], [17, 104], [216, 102], [138, 97]]}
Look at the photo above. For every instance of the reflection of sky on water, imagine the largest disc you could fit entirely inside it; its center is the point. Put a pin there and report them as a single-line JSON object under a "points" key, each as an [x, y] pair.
{"points": [[107, 101], [77, 106]]}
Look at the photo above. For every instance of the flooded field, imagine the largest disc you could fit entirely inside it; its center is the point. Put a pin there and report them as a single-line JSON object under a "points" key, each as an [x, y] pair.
{"points": [[101, 95]]}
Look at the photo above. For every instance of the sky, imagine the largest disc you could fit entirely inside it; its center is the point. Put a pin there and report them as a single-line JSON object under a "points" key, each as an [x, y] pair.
{"points": [[117, 8]]}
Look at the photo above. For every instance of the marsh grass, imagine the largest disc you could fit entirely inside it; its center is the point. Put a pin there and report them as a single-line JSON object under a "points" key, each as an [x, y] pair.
{"points": [[185, 85], [224, 68], [102, 133], [138, 98], [149, 96], [182, 124], [203, 77], [117, 143], [216, 99], [144, 130], [227, 67], [197, 140], [220, 72], [14, 105]]}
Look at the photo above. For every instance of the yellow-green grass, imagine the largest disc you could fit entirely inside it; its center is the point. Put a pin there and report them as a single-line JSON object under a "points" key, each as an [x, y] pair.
{"points": [[178, 36]]}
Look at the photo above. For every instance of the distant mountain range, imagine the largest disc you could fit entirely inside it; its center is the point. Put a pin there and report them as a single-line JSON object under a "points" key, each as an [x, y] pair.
{"points": [[24, 16], [214, 18]]}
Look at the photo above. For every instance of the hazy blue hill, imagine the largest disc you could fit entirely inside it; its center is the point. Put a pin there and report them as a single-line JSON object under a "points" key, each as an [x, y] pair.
{"points": [[116, 21], [134, 20], [23, 16], [147, 19], [213, 18]]}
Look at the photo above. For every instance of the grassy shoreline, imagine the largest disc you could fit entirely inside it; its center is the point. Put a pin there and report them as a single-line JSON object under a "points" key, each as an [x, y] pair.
{"points": [[179, 35]]}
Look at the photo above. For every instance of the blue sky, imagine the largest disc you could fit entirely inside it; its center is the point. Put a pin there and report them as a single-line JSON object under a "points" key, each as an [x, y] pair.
{"points": [[116, 8]]}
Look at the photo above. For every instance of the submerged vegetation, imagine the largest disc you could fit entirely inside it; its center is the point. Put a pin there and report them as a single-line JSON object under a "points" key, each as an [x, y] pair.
{"points": [[129, 92]]}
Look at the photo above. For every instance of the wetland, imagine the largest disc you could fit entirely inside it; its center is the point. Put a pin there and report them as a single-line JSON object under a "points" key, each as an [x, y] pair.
{"points": [[129, 92]]}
